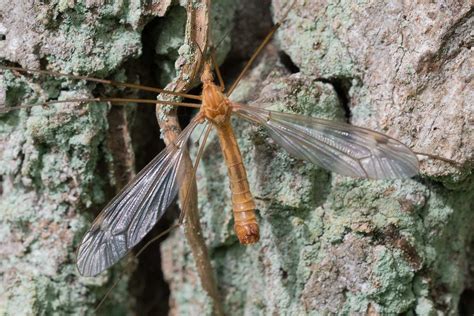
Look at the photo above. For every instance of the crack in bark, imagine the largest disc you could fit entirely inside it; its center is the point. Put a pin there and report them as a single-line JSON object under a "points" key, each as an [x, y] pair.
{"points": [[197, 31]]}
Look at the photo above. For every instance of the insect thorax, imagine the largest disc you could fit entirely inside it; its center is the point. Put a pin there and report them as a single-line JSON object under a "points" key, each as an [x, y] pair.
{"points": [[215, 105]]}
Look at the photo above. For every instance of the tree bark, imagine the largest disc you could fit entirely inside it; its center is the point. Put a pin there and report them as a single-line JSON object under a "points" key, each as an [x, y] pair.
{"points": [[329, 244], [332, 244]]}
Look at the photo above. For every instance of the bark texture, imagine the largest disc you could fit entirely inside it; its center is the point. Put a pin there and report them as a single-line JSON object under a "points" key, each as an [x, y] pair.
{"points": [[329, 244]]}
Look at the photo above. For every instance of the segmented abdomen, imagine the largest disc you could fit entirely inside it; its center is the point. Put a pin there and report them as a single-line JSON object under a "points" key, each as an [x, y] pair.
{"points": [[243, 205]]}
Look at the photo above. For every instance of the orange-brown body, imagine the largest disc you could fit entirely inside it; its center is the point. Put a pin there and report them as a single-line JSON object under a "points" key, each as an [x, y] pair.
{"points": [[216, 108]]}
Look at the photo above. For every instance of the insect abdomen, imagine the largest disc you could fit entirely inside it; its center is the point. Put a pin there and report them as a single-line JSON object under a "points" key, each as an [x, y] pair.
{"points": [[243, 205]]}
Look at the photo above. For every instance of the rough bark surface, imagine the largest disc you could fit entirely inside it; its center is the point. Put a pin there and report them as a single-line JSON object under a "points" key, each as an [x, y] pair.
{"points": [[59, 165], [59, 162], [329, 244]]}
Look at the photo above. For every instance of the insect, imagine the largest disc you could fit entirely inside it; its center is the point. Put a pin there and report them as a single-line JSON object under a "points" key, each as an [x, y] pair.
{"points": [[338, 147]]}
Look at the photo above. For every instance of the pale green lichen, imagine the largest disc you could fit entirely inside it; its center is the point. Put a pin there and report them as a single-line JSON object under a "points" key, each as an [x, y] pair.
{"points": [[331, 58], [51, 157], [169, 38], [312, 222]]}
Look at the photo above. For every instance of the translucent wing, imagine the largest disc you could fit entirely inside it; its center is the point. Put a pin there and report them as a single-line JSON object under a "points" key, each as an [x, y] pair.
{"points": [[135, 210], [345, 149]]}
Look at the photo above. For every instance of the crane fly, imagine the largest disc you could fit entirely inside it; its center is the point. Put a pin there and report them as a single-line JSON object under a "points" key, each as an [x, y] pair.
{"points": [[339, 147], [336, 146]]}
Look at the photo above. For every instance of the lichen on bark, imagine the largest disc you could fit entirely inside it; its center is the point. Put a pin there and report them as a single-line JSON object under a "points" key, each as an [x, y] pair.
{"points": [[332, 244], [329, 244], [58, 163]]}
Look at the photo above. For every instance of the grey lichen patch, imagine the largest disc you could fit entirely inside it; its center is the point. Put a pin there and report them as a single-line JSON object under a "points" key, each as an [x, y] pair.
{"points": [[169, 37], [78, 42], [339, 278], [222, 22], [48, 172], [301, 94], [356, 264], [185, 287], [392, 278], [317, 49]]}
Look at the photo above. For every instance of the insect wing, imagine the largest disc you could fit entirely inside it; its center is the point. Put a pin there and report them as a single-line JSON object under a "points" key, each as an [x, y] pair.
{"points": [[135, 210], [339, 147]]}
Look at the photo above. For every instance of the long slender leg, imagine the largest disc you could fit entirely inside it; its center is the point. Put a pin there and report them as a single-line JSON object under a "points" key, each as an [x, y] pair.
{"points": [[103, 81], [436, 157], [194, 236], [217, 70], [4, 109], [187, 195], [259, 49], [190, 217], [181, 217]]}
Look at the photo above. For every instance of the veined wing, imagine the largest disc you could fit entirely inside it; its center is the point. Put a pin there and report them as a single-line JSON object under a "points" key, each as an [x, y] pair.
{"points": [[343, 148], [135, 210]]}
